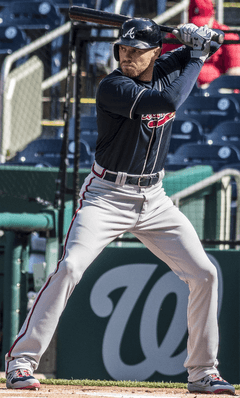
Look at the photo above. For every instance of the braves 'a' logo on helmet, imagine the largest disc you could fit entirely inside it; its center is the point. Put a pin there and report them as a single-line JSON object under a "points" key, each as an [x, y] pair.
{"points": [[130, 33]]}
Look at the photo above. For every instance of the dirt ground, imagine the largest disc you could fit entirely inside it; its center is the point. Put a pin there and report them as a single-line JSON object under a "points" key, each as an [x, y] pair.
{"points": [[50, 391]]}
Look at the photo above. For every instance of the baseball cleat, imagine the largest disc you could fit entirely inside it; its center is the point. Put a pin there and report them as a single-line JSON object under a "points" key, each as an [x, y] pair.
{"points": [[211, 384], [22, 379]]}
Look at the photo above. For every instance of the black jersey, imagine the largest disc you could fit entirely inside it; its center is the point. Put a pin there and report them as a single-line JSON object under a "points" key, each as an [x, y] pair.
{"points": [[135, 117]]}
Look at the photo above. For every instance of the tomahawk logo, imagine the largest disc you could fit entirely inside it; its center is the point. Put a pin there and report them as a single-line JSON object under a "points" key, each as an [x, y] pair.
{"points": [[130, 33], [132, 279]]}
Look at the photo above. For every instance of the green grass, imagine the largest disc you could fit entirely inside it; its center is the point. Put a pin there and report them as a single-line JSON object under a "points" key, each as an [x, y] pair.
{"points": [[108, 383], [112, 383]]}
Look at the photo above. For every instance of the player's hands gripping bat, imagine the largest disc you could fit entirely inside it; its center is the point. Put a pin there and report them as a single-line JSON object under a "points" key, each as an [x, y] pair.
{"points": [[184, 33], [201, 39]]}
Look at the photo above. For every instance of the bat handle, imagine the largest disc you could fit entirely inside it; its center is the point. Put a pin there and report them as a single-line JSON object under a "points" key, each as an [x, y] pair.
{"points": [[218, 36]]}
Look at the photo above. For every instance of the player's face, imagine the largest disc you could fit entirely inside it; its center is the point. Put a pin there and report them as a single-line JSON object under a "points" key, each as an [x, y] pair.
{"points": [[136, 63]]}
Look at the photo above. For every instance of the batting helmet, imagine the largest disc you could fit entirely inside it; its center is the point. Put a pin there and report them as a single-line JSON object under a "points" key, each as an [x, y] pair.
{"points": [[141, 33]]}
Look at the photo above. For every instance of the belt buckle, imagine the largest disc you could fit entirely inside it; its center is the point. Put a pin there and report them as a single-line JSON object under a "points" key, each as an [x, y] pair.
{"points": [[149, 180], [142, 179]]}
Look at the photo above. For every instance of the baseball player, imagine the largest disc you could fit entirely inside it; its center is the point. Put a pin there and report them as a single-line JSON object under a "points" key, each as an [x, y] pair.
{"points": [[136, 105]]}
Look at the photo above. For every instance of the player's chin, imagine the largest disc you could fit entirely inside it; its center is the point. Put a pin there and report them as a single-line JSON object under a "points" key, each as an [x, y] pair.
{"points": [[129, 72]]}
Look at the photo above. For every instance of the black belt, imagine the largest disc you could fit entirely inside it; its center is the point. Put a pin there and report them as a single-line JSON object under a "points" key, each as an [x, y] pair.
{"points": [[144, 181]]}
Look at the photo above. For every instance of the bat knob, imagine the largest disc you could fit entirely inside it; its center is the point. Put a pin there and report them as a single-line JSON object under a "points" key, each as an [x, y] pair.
{"points": [[218, 36]]}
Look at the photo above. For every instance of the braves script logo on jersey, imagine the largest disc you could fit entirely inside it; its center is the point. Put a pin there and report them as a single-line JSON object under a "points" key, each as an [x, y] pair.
{"points": [[130, 33], [159, 119]]}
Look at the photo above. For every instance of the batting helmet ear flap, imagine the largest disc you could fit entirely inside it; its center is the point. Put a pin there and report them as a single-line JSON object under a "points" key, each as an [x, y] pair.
{"points": [[116, 51]]}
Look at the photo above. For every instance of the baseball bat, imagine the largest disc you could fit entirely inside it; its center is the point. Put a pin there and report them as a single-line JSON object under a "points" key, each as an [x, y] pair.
{"points": [[77, 13]]}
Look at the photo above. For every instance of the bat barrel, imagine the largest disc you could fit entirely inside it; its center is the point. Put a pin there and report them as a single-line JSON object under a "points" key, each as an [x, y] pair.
{"points": [[97, 16]]}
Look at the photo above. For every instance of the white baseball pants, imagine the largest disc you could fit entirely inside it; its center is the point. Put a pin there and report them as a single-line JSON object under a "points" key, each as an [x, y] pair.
{"points": [[106, 211]]}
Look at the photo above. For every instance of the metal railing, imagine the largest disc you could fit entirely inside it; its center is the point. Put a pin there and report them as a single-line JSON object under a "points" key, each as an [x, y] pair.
{"points": [[223, 176], [180, 8], [33, 46], [15, 56]]}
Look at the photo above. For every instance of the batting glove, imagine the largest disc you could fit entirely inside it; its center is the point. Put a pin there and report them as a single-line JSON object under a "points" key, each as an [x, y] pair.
{"points": [[201, 39], [184, 33]]}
